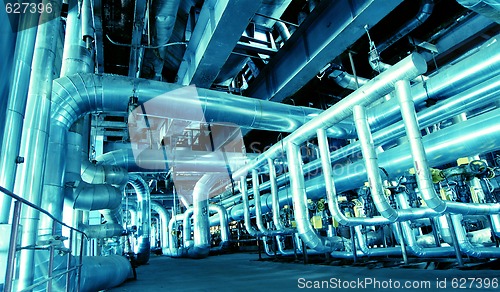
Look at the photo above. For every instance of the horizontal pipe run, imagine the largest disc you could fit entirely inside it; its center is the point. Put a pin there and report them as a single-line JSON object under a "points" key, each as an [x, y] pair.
{"points": [[408, 68], [477, 135], [76, 95]]}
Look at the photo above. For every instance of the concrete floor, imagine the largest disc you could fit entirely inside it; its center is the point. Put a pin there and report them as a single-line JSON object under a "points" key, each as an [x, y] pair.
{"points": [[243, 272]]}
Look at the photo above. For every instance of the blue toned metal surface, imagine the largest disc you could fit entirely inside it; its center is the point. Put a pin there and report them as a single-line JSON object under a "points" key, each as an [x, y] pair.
{"points": [[7, 46], [217, 31], [325, 34], [135, 51]]}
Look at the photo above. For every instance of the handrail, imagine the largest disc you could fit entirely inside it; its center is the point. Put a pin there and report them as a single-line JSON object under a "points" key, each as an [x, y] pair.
{"points": [[24, 201], [13, 248]]}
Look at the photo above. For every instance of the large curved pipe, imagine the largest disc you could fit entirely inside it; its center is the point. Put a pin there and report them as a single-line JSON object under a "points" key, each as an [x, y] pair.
{"points": [[143, 246], [421, 164], [299, 199], [374, 178], [246, 208], [164, 219], [100, 273], [466, 246], [79, 94], [224, 223], [201, 226], [82, 195]]}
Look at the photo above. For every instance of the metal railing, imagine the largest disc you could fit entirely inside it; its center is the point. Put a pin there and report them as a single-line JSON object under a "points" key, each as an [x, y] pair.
{"points": [[52, 243]]}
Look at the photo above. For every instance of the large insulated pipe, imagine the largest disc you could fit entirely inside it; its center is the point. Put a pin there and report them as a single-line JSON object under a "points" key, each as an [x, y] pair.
{"points": [[101, 231], [466, 246], [474, 70], [331, 193], [258, 209], [477, 135], [186, 227], [201, 226], [79, 194], [347, 80], [16, 104], [164, 218], [75, 58], [299, 199], [224, 223], [246, 208], [408, 68], [76, 95], [275, 200], [35, 134], [142, 248], [375, 180], [421, 165], [183, 159], [100, 273], [488, 8]]}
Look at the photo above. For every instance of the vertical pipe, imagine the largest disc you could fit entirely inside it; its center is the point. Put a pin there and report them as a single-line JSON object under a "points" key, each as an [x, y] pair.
{"points": [[35, 132], [246, 208], [299, 198], [371, 164], [257, 202], [16, 105], [420, 163], [456, 245]]}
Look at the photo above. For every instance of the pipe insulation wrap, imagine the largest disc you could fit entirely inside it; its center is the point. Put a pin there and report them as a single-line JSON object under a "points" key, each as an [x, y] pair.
{"points": [[143, 246]]}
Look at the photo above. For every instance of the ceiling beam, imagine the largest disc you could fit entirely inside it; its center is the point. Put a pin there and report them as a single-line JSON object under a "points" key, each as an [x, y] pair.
{"points": [[328, 31], [217, 31]]}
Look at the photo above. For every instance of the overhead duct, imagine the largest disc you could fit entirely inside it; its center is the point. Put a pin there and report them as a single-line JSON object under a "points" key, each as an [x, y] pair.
{"points": [[162, 159], [488, 8], [142, 248], [422, 15], [165, 14], [76, 95]]}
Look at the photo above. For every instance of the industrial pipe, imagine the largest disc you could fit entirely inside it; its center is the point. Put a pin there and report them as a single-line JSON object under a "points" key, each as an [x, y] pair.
{"points": [[474, 136], [35, 134], [421, 165], [408, 68], [155, 206], [16, 104], [143, 246]]}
